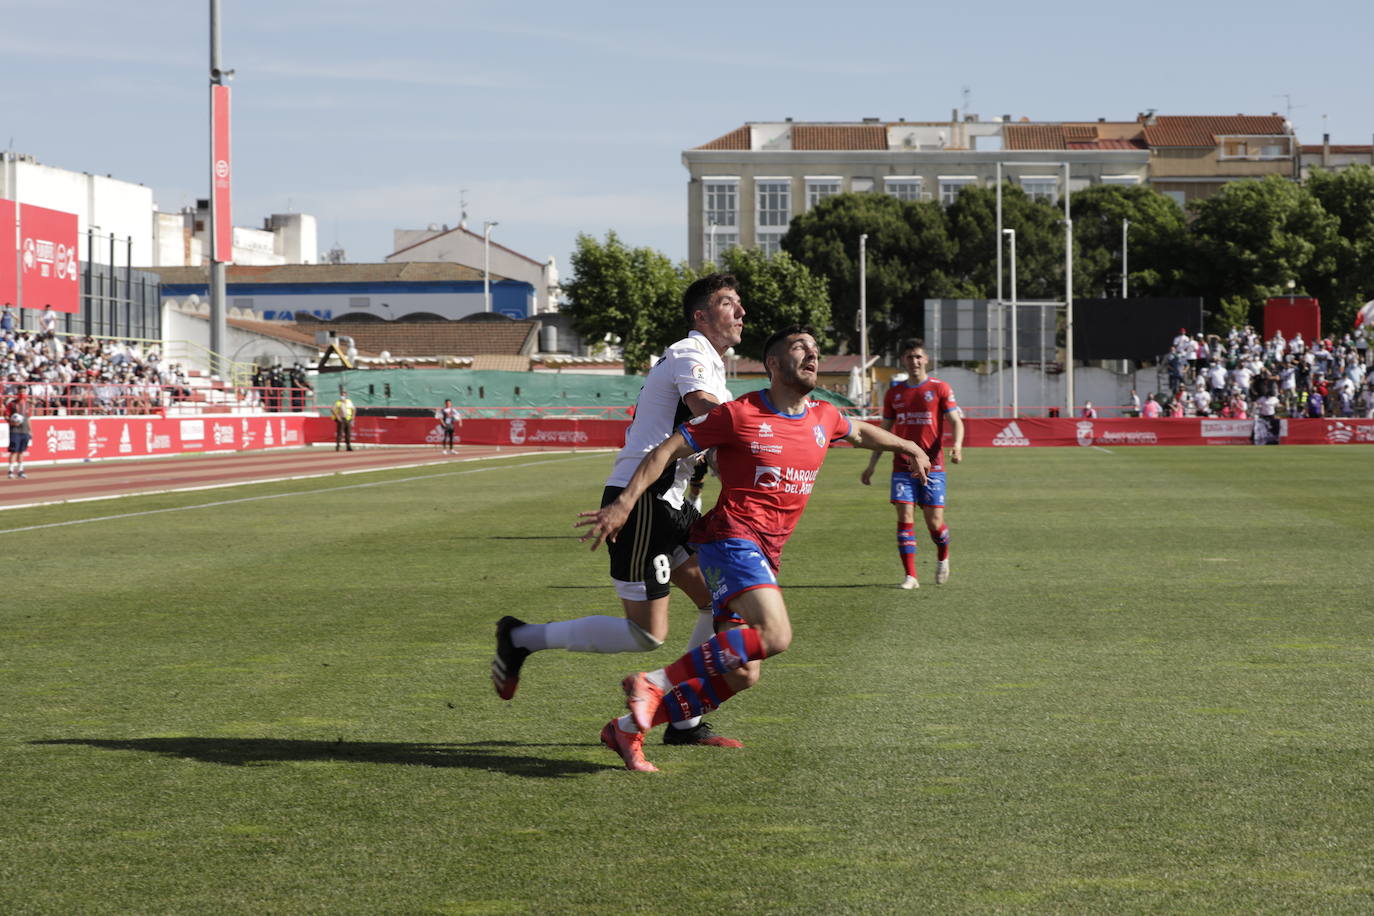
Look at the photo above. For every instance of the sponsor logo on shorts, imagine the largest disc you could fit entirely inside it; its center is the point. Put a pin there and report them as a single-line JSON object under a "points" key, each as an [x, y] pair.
{"points": [[1010, 435]]}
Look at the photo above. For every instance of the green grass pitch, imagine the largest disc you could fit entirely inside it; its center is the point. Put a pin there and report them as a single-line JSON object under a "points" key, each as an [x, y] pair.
{"points": [[1148, 687]]}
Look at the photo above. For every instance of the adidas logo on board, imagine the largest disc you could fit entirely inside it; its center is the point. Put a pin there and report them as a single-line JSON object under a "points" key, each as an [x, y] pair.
{"points": [[1010, 435]]}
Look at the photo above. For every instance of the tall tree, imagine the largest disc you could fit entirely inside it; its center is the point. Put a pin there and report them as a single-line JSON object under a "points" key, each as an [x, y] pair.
{"points": [[1039, 244], [1156, 240], [909, 252], [776, 291], [1349, 197], [631, 293], [1251, 238]]}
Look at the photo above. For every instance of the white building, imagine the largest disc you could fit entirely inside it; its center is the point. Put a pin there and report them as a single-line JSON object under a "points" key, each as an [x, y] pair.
{"points": [[463, 246]]}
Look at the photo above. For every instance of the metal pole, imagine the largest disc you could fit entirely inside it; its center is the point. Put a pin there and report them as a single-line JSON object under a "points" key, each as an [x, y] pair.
{"points": [[1015, 348], [712, 246], [1001, 316], [217, 284], [863, 304], [1068, 295], [1125, 223], [486, 263]]}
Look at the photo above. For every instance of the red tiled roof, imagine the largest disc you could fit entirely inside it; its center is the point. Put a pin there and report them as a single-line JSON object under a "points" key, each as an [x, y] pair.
{"points": [[1202, 130], [839, 137], [1109, 143], [735, 139], [1033, 136], [1069, 136], [436, 338]]}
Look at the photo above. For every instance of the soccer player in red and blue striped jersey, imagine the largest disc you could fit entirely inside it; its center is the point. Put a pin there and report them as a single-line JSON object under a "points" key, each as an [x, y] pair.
{"points": [[770, 446], [918, 409]]}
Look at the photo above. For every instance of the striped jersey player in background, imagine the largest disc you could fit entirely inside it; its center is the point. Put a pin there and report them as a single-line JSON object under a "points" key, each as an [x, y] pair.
{"points": [[770, 445], [918, 409], [687, 382]]}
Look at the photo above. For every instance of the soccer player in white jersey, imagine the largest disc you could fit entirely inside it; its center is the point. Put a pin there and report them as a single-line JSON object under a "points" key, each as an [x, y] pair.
{"points": [[687, 382]]}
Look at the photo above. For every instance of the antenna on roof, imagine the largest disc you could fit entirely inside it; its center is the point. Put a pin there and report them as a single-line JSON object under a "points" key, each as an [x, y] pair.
{"points": [[965, 93], [1288, 101], [463, 208]]}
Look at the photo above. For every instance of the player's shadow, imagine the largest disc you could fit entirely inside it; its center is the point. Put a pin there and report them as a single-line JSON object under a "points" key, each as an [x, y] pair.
{"points": [[478, 755]]}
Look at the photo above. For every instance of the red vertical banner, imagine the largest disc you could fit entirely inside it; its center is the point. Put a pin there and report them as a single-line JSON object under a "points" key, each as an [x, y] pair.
{"points": [[48, 268], [223, 173], [9, 254]]}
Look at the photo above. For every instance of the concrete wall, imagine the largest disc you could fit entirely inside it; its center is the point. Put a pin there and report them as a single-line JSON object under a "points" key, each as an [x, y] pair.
{"points": [[106, 204], [183, 325], [1109, 391], [462, 246]]}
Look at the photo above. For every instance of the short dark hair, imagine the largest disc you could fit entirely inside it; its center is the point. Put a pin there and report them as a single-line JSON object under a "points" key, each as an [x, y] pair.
{"points": [[911, 343], [778, 337], [698, 295]]}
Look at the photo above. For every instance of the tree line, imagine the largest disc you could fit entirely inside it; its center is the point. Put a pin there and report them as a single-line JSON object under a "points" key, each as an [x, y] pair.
{"points": [[1252, 240]]}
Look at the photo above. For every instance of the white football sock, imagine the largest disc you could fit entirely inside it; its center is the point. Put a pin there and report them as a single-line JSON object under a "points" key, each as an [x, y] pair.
{"points": [[598, 633]]}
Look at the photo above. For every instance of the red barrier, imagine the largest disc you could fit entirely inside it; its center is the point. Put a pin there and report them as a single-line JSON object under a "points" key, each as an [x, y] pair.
{"points": [[572, 432], [56, 438], [1042, 431]]}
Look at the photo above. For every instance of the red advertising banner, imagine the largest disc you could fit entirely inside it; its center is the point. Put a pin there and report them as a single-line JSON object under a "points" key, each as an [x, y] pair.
{"points": [[9, 254], [48, 266], [87, 438], [566, 432], [223, 228], [1039, 431]]}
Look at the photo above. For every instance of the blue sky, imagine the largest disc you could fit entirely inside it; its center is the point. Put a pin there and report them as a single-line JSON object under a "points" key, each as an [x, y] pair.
{"points": [[558, 118]]}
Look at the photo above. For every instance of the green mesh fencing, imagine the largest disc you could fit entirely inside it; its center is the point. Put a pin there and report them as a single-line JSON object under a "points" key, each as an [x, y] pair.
{"points": [[499, 391]]}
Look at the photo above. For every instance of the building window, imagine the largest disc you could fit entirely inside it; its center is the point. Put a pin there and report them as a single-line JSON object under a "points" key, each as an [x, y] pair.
{"points": [[1178, 197], [1041, 187], [951, 186], [714, 244], [721, 201], [774, 203], [818, 189], [770, 243], [904, 187]]}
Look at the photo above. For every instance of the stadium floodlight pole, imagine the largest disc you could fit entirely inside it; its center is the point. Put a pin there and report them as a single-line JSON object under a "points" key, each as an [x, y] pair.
{"points": [[218, 330], [486, 262], [1125, 224], [1015, 385], [863, 304]]}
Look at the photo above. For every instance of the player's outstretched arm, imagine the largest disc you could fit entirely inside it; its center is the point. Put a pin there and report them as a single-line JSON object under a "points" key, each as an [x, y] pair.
{"points": [[956, 425], [866, 435], [605, 523], [866, 478]]}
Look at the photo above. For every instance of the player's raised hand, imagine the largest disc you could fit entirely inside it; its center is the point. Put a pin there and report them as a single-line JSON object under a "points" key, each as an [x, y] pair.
{"points": [[605, 523]]}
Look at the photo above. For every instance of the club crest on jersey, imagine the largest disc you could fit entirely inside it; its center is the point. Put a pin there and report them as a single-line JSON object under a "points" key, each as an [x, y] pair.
{"points": [[698, 371], [928, 395], [820, 435], [765, 431], [766, 476]]}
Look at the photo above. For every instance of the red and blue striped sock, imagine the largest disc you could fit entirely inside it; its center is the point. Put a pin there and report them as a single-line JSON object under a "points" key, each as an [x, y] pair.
{"points": [[906, 546], [941, 539], [693, 697], [721, 653]]}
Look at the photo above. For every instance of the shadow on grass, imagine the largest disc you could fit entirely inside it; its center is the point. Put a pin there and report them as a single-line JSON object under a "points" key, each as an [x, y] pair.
{"points": [[479, 755]]}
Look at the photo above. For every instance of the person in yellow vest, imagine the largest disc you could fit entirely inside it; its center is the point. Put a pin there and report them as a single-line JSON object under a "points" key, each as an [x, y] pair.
{"points": [[343, 412]]}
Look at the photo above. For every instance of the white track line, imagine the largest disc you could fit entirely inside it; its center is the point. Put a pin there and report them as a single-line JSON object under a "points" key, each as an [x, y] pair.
{"points": [[249, 499]]}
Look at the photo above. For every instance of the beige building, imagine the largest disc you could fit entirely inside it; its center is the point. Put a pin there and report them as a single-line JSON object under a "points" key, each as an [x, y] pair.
{"points": [[1334, 157], [747, 185]]}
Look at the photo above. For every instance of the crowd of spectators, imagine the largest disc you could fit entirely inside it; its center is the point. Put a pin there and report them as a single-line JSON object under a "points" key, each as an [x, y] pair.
{"points": [[1243, 375]]}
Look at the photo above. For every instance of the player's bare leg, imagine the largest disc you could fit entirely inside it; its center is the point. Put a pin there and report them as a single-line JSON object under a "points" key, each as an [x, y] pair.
{"points": [[906, 544], [939, 533]]}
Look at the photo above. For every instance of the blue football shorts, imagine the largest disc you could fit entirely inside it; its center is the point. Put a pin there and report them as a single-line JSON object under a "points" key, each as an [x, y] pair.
{"points": [[731, 567], [908, 489]]}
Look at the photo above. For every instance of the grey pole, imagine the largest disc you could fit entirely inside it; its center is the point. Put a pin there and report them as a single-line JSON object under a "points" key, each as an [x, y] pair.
{"points": [[1125, 224], [1015, 350], [486, 263], [863, 305], [217, 268], [1001, 320], [1068, 295]]}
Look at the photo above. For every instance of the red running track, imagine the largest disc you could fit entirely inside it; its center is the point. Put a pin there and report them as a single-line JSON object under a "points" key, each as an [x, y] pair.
{"points": [[106, 479]]}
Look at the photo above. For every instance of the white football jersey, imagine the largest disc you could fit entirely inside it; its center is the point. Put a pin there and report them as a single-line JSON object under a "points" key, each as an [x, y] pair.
{"points": [[691, 364]]}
